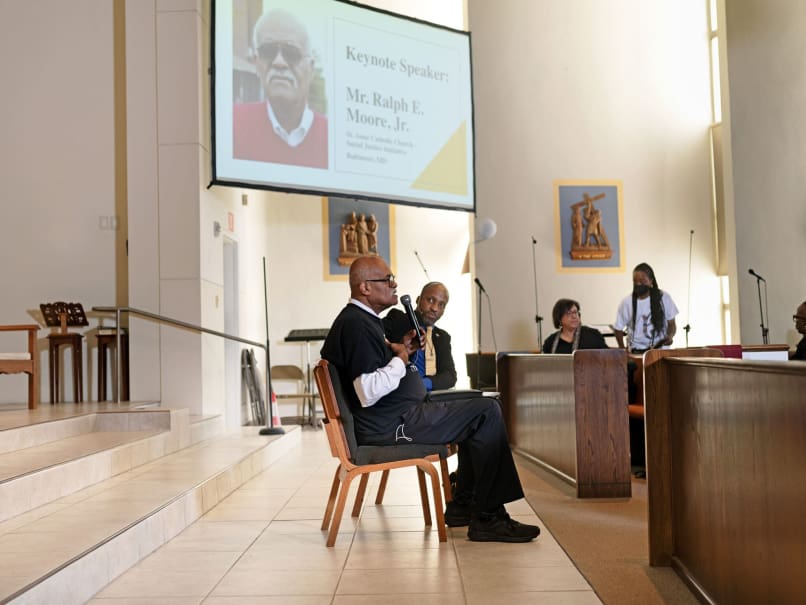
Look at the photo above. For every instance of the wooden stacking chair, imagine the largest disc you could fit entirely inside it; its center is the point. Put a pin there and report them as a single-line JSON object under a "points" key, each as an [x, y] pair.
{"points": [[361, 460]]}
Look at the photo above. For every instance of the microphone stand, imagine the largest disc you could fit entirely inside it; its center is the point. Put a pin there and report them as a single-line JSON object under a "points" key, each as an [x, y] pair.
{"points": [[538, 319], [687, 327], [422, 265], [269, 429], [764, 329], [478, 329], [766, 334]]}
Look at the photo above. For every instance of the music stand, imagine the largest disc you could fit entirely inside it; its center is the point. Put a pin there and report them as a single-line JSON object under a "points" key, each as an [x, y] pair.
{"points": [[63, 315], [308, 336]]}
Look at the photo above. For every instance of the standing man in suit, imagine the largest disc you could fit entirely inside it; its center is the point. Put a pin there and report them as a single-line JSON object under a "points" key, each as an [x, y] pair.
{"points": [[434, 362]]}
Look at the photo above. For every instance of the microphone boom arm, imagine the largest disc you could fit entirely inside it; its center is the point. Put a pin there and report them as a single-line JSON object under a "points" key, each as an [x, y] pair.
{"points": [[687, 327], [765, 332]]}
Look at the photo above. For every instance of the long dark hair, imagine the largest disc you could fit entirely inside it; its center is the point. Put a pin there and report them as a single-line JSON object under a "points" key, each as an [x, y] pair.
{"points": [[657, 313]]}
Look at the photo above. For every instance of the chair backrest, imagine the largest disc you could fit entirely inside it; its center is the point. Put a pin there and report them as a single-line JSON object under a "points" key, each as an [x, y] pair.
{"points": [[17, 357], [339, 422], [287, 372]]}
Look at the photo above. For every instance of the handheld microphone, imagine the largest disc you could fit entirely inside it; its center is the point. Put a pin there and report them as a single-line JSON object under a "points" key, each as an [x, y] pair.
{"points": [[405, 300], [478, 283], [756, 275]]}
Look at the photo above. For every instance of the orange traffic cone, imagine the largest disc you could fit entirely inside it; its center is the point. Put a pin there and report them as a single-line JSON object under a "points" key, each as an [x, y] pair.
{"points": [[275, 419]]}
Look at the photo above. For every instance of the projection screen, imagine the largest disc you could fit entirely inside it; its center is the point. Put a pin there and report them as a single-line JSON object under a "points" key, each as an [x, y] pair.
{"points": [[331, 98]]}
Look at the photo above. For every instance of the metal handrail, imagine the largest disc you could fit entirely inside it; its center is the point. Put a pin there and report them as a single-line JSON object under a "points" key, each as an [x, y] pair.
{"points": [[176, 322]]}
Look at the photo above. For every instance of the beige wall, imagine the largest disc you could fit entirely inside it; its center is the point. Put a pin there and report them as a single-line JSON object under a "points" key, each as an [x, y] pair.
{"points": [[593, 90], [765, 50], [57, 168]]}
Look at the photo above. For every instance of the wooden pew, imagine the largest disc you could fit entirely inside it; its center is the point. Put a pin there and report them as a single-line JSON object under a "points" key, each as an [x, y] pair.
{"points": [[636, 407], [776, 352], [725, 476], [568, 413]]}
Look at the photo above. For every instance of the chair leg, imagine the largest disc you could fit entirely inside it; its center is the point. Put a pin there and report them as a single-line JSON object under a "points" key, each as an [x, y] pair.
{"points": [[424, 496], [331, 500], [337, 514], [53, 372], [101, 372], [446, 480], [359, 497], [438, 505], [32, 394], [78, 374], [382, 487]]}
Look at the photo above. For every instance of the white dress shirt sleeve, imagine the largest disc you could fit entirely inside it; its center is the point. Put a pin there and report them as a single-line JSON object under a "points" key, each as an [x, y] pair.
{"points": [[374, 385]]}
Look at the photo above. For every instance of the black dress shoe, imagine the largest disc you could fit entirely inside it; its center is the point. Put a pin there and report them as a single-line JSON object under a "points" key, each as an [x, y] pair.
{"points": [[457, 515], [500, 528]]}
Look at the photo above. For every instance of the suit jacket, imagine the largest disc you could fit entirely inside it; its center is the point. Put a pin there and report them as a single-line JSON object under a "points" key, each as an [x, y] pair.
{"points": [[396, 324]]}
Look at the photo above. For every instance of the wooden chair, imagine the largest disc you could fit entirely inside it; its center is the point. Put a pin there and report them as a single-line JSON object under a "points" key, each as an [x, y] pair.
{"points": [[28, 363], [361, 460]]}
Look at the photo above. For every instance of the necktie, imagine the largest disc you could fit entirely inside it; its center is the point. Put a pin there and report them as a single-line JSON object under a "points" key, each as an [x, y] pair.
{"points": [[430, 353]]}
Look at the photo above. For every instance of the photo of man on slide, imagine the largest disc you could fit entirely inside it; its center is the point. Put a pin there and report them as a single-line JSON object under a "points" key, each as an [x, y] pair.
{"points": [[283, 128]]}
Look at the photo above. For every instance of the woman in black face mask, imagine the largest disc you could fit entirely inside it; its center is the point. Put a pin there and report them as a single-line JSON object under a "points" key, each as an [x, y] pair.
{"points": [[647, 315]]}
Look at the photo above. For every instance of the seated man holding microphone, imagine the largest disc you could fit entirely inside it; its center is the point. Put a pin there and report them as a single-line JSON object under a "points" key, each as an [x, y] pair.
{"points": [[389, 401]]}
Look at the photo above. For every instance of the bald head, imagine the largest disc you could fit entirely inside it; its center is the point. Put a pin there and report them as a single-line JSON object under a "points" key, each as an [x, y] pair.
{"points": [[800, 321], [432, 302], [372, 283], [364, 268]]}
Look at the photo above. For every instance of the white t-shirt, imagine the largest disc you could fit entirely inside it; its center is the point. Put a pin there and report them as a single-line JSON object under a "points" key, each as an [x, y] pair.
{"points": [[644, 336]]}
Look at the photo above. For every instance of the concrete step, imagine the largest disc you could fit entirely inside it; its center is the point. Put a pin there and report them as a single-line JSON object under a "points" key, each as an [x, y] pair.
{"points": [[68, 549], [51, 459]]}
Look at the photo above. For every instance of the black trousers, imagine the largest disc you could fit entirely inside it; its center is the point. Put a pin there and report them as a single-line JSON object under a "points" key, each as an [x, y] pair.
{"points": [[637, 453], [486, 468]]}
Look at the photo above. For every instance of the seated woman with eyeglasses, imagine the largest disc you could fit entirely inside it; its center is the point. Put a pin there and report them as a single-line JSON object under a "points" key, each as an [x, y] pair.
{"points": [[571, 334]]}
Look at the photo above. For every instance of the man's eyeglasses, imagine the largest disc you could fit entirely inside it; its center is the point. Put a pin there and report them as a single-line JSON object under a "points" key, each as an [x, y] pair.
{"points": [[798, 318], [291, 53], [389, 279]]}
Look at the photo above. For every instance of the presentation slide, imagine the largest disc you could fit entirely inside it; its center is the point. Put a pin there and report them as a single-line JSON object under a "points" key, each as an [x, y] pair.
{"points": [[324, 96]]}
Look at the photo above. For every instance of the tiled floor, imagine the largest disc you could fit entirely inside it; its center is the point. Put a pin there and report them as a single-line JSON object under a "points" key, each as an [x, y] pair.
{"points": [[263, 545]]}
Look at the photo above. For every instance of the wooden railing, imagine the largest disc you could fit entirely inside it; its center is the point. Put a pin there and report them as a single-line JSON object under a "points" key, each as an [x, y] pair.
{"points": [[568, 413], [726, 444]]}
